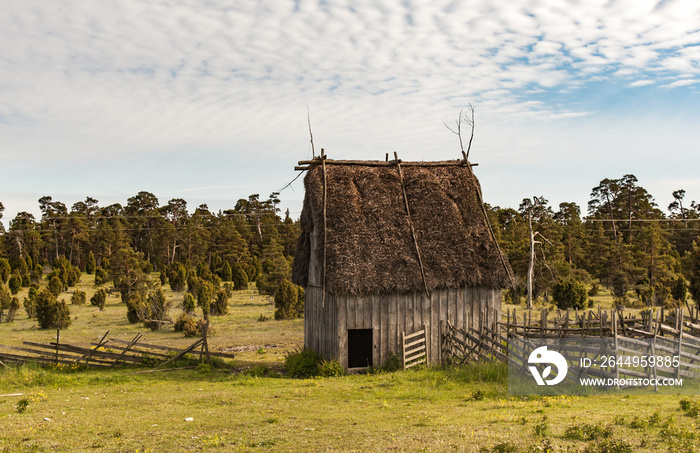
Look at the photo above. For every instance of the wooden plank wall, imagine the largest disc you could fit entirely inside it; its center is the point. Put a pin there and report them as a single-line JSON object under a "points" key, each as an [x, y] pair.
{"points": [[389, 315], [321, 323]]}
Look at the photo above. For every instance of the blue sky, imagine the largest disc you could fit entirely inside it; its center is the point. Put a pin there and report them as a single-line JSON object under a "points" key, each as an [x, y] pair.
{"points": [[207, 101]]}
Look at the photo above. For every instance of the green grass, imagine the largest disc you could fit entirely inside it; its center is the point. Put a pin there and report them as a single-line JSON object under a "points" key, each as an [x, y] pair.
{"points": [[232, 410], [423, 410]]}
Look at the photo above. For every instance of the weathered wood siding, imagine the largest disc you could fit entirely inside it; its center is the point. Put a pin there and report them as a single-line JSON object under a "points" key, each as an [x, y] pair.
{"points": [[321, 323], [326, 325]]}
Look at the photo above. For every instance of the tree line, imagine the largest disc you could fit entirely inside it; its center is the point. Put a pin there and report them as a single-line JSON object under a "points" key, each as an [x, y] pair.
{"points": [[123, 244], [625, 243]]}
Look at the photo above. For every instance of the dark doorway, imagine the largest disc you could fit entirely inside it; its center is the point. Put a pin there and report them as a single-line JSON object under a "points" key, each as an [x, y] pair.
{"points": [[359, 348]]}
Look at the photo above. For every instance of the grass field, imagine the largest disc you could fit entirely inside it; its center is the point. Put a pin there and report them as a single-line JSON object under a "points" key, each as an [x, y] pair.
{"points": [[232, 409]]}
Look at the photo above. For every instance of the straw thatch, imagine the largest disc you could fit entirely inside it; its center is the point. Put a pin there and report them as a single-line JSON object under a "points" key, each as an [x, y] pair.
{"points": [[370, 249]]}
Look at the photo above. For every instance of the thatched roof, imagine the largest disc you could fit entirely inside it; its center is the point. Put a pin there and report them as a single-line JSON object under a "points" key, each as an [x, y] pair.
{"points": [[370, 247]]}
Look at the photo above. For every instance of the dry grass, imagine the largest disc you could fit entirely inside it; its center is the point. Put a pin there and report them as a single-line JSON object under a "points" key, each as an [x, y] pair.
{"points": [[239, 328]]}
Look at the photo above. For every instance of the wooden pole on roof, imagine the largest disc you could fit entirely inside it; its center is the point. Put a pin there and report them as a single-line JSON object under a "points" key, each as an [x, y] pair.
{"points": [[410, 224], [325, 227]]}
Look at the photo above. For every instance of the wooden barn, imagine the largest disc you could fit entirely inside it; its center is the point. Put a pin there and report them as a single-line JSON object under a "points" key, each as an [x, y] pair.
{"points": [[388, 248]]}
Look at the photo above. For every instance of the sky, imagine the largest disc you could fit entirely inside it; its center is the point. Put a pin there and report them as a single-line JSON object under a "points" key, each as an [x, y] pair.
{"points": [[207, 100]]}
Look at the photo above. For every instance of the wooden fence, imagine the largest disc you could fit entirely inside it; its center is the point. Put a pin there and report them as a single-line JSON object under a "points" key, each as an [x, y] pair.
{"points": [[656, 332], [105, 353], [476, 344], [414, 349]]}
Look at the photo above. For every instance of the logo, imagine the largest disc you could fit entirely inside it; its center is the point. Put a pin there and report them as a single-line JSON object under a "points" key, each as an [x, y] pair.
{"points": [[542, 355]]}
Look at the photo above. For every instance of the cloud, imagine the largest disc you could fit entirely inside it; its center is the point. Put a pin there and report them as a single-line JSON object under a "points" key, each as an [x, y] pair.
{"points": [[681, 83], [641, 83], [87, 81]]}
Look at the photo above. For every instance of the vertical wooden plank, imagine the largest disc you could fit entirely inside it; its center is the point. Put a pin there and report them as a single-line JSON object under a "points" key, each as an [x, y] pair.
{"points": [[360, 312], [417, 312], [376, 330], [383, 322], [350, 313], [342, 332], [444, 315], [316, 329], [475, 308], [392, 340], [407, 309], [367, 313], [459, 308], [326, 329], [307, 316], [321, 332], [434, 320]]}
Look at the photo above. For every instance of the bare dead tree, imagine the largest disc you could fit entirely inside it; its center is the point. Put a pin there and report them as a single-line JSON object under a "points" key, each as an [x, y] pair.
{"points": [[533, 242], [468, 119]]}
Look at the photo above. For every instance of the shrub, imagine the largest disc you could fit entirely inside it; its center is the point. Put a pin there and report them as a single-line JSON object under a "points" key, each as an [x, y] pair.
{"points": [[157, 309], [541, 428], [289, 303], [193, 284], [55, 286], [30, 303], [99, 299], [12, 309], [177, 277], [609, 446], [330, 368], [68, 274], [187, 324], [570, 294], [392, 363], [662, 296], [78, 298], [5, 298], [14, 283], [36, 273], [620, 283], [502, 447], [90, 264], [220, 306], [595, 289], [585, 431], [679, 291], [188, 303], [689, 407], [135, 308], [163, 277], [239, 277], [5, 271], [51, 313], [204, 293], [302, 363], [226, 273], [100, 276]]}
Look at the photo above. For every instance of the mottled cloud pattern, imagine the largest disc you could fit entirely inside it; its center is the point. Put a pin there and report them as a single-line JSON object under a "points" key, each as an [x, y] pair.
{"points": [[98, 80]]}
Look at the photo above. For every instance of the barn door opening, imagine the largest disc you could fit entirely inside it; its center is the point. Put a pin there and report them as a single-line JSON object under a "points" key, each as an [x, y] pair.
{"points": [[359, 348]]}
